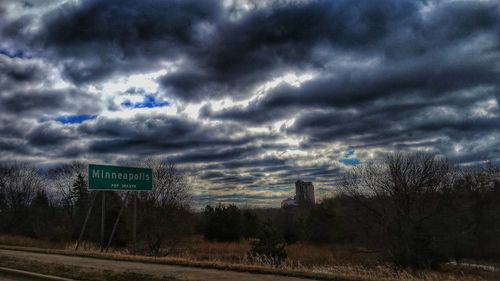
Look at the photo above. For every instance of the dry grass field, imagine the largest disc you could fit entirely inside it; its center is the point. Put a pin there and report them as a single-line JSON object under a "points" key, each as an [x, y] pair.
{"points": [[299, 254], [305, 260]]}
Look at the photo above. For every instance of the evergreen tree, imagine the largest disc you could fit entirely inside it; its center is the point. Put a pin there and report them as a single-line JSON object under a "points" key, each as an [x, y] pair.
{"points": [[80, 196]]}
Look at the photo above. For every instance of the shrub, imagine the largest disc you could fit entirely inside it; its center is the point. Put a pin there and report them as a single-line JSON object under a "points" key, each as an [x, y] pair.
{"points": [[269, 245]]}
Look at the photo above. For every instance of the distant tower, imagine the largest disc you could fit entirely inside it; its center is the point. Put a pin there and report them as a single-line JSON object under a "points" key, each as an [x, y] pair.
{"points": [[304, 195], [304, 192]]}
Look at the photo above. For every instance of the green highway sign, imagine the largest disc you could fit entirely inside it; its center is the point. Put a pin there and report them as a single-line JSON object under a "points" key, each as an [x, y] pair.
{"points": [[104, 177]]}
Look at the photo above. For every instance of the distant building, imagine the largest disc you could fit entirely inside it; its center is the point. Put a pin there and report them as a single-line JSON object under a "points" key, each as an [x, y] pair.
{"points": [[304, 195], [288, 202], [304, 192]]}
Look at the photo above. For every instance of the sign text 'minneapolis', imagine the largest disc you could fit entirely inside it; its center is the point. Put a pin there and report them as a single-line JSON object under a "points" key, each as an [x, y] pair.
{"points": [[104, 177], [96, 174]]}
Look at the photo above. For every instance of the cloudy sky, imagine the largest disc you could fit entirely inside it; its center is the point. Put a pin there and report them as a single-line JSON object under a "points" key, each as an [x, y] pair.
{"points": [[248, 96]]}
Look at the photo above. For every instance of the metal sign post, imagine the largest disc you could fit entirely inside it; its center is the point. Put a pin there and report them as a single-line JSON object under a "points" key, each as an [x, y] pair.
{"points": [[116, 178], [103, 218], [86, 220], [116, 221], [135, 224]]}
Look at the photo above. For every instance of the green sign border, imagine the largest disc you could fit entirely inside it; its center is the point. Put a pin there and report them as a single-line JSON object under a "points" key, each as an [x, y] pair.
{"points": [[119, 178]]}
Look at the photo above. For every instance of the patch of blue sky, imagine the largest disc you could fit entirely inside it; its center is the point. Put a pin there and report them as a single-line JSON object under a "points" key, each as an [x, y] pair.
{"points": [[350, 159], [75, 119], [14, 53], [148, 102], [350, 162], [349, 153]]}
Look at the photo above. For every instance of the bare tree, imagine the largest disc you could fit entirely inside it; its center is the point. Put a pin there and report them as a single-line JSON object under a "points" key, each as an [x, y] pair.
{"points": [[169, 184], [18, 186], [474, 219], [164, 212], [400, 196]]}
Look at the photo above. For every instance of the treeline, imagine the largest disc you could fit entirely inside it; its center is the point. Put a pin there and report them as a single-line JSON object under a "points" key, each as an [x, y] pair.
{"points": [[317, 224], [423, 211], [415, 209], [53, 206]]}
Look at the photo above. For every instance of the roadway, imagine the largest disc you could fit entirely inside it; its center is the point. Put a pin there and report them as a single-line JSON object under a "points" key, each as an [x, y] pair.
{"points": [[172, 272]]}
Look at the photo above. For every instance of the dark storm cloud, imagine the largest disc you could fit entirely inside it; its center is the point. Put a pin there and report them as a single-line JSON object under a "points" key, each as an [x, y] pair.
{"points": [[14, 146], [266, 163], [38, 103], [211, 154], [33, 100], [356, 120], [307, 173], [12, 127], [49, 134], [95, 38], [212, 175], [17, 72], [143, 126], [230, 57], [228, 154], [452, 20], [268, 42], [439, 125], [11, 29], [17, 30], [244, 167], [428, 77], [28, 138], [148, 134], [24, 90], [384, 75], [255, 113], [420, 55], [239, 179], [307, 36]]}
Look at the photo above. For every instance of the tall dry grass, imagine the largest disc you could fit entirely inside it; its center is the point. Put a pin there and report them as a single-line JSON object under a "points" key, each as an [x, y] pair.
{"points": [[306, 260], [12, 240]]}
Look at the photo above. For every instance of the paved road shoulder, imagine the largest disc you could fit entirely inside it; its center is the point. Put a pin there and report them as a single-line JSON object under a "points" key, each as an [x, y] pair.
{"points": [[171, 272]]}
